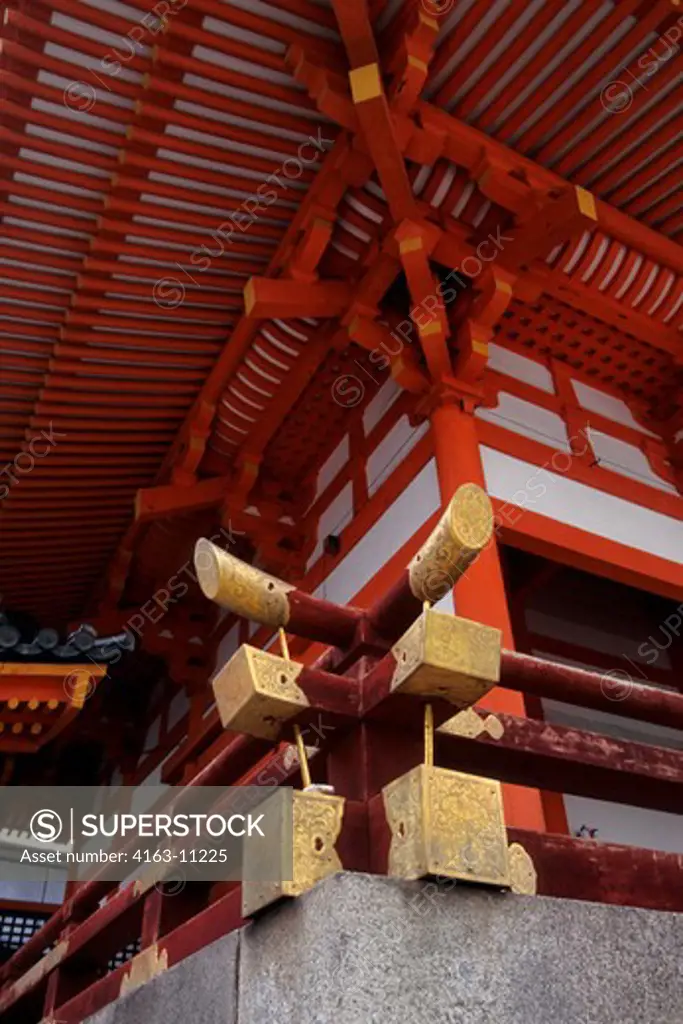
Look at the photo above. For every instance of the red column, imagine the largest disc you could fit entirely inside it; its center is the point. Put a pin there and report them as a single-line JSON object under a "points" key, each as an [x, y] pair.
{"points": [[480, 593]]}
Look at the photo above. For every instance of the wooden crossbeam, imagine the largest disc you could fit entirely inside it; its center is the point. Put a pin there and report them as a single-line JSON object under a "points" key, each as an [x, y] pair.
{"points": [[528, 753], [563, 760], [463, 531], [172, 499], [266, 297], [490, 161], [377, 125], [415, 245]]}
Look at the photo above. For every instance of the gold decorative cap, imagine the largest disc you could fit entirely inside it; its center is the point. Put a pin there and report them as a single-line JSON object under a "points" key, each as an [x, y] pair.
{"points": [[206, 563], [242, 588], [463, 531], [522, 871], [471, 517]]}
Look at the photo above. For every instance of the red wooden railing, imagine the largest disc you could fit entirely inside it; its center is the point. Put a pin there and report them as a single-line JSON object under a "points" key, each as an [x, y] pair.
{"points": [[75, 965]]}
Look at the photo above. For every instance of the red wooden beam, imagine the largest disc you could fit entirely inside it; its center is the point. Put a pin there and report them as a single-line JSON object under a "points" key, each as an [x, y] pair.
{"points": [[552, 757], [579, 869], [612, 691], [531, 753], [266, 297], [566, 867], [171, 499]]}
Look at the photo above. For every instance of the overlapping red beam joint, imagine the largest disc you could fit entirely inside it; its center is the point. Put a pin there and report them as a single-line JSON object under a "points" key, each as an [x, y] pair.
{"points": [[399, 652], [384, 124], [543, 206], [546, 209], [463, 531], [298, 291]]}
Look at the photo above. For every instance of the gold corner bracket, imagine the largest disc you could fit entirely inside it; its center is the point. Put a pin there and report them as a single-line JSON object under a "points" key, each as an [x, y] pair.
{"points": [[143, 968], [256, 692], [523, 877], [450, 824], [307, 845], [470, 724], [447, 824], [442, 655]]}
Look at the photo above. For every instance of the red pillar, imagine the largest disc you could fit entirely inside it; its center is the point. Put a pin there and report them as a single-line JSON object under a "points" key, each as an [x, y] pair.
{"points": [[480, 593]]}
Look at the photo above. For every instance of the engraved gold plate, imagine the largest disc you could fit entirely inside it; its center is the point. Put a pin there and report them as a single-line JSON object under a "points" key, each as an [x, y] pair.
{"points": [[470, 724], [448, 824], [522, 871], [242, 588], [446, 656], [256, 692], [317, 822], [465, 528]]}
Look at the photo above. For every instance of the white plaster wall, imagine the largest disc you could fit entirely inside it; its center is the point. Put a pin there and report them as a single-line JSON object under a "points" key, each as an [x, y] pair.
{"points": [[336, 516], [514, 365], [179, 707], [567, 501], [227, 647], [609, 406], [152, 737], [419, 500], [49, 889], [383, 400], [631, 826], [391, 452], [626, 459], [528, 420], [336, 461], [519, 483]]}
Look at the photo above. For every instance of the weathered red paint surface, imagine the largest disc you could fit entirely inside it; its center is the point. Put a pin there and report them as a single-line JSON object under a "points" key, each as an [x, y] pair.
{"points": [[602, 691]]}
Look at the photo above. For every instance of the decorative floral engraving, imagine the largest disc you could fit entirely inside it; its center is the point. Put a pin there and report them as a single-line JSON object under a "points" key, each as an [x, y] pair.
{"points": [[463, 531], [242, 588], [447, 823]]}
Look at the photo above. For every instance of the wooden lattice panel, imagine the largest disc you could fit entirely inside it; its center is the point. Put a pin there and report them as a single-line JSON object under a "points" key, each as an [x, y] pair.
{"points": [[323, 414], [592, 348]]}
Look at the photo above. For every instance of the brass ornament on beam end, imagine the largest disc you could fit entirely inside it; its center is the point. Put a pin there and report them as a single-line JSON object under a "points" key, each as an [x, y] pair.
{"points": [[241, 588], [464, 530], [447, 824], [450, 824], [317, 818]]}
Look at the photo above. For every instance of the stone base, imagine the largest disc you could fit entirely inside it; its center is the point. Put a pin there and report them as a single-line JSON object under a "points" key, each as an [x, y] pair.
{"points": [[365, 950]]}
